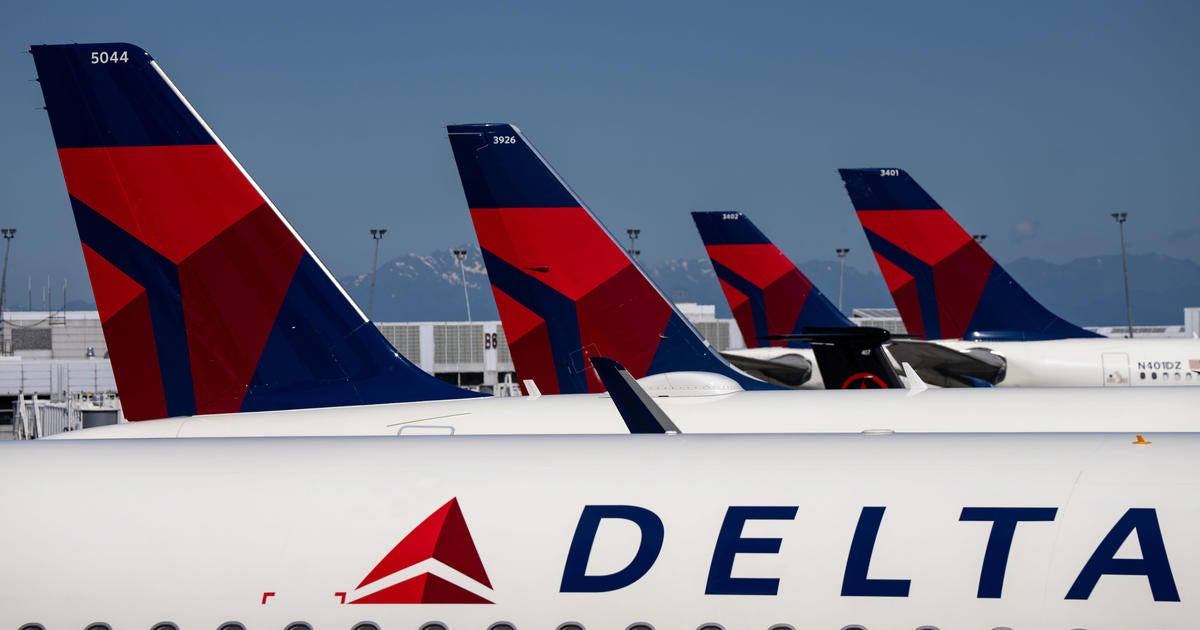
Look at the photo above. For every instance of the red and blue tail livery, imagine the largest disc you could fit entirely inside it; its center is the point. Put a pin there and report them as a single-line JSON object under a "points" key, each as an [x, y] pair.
{"points": [[768, 294], [565, 289], [944, 283], [209, 301]]}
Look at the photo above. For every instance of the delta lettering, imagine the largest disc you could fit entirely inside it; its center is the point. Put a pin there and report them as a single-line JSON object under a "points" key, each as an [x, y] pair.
{"points": [[730, 542]]}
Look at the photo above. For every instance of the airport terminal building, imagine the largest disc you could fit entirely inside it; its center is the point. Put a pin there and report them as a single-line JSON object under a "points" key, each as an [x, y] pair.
{"points": [[59, 354]]}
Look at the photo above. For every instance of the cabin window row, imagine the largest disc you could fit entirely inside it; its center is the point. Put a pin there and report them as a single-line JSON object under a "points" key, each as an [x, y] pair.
{"points": [[1166, 376], [437, 625]]}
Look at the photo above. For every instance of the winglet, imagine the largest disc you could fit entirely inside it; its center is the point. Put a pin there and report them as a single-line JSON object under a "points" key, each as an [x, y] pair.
{"points": [[915, 384], [640, 413]]}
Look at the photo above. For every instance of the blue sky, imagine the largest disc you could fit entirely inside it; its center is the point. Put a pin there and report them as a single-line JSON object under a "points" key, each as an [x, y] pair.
{"points": [[1030, 122]]}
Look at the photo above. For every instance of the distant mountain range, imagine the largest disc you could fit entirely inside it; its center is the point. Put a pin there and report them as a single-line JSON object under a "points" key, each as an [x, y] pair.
{"points": [[1087, 291]]}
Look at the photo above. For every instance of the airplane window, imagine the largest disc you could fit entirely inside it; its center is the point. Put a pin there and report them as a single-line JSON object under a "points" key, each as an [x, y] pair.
{"points": [[231, 625], [711, 626], [502, 625], [33, 626], [570, 625], [1154, 376], [1142, 376], [782, 626], [854, 627], [99, 626], [640, 625], [366, 625], [164, 625], [434, 625], [1177, 376], [1002, 628], [927, 628], [1166, 375], [298, 625]]}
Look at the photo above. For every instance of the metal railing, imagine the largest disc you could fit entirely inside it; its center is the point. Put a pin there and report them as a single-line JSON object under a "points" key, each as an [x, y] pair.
{"points": [[35, 417]]}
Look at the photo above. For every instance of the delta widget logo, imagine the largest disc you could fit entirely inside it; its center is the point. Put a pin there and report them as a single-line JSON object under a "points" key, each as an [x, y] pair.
{"points": [[442, 538]]}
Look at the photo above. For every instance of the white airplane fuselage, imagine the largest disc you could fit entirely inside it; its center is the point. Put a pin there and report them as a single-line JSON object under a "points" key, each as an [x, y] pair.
{"points": [[816, 531], [1104, 362], [1043, 410]]}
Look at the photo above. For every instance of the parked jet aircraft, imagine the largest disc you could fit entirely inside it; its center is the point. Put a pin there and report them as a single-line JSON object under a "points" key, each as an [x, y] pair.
{"points": [[568, 532], [565, 289], [135, 92], [774, 303], [948, 288], [583, 532]]}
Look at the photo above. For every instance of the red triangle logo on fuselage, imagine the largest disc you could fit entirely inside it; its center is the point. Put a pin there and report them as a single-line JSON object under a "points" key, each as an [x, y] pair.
{"points": [[442, 536]]}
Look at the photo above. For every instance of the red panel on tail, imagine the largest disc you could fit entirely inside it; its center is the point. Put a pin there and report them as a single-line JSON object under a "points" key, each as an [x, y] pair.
{"points": [[760, 264], [623, 317], [959, 282], [125, 315], [240, 277], [571, 251], [903, 288], [743, 313], [929, 235], [173, 198], [528, 343], [112, 289]]}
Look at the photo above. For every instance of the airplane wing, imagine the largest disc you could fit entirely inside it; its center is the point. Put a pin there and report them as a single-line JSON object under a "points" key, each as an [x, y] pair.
{"points": [[788, 370], [947, 367]]}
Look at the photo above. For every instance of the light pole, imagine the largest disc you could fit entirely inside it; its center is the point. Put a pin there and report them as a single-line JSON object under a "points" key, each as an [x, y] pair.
{"points": [[460, 254], [1119, 217], [841, 252], [633, 236], [8, 233], [376, 235], [979, 238]]}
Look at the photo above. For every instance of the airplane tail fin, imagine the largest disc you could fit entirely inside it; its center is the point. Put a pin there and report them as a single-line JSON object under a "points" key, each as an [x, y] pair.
{"points": [[209, 300], [565, 289], [768, 294], [944, 283]]}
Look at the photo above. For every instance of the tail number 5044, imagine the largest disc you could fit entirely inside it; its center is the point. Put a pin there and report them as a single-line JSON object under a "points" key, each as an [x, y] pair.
{"points": [[110, 57]]}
